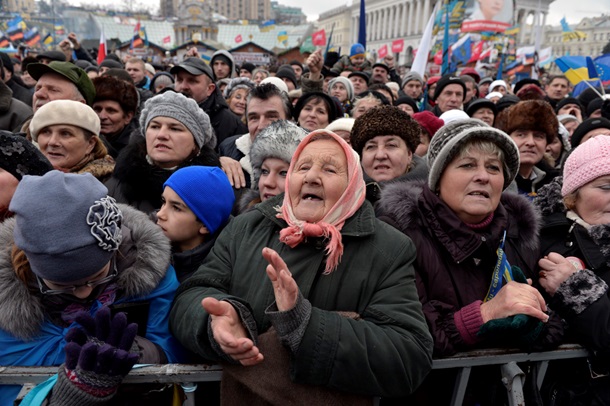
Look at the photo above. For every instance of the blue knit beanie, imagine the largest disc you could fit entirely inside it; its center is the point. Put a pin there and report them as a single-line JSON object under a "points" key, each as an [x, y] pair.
{"points": [[356, 50], [206, 191], [66, 224]]}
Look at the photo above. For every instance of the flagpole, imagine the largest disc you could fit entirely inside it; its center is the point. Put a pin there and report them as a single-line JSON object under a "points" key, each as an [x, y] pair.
{"points": [[445, 67]]}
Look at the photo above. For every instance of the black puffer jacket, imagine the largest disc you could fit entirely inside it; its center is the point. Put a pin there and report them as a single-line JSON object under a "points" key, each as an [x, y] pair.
{"points": [[583, 300], [140, 184]]}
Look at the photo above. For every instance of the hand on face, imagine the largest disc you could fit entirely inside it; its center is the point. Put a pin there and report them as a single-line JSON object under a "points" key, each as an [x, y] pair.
{"points": [[230, 334], [285, 287], [515, 298], [555, 269]]}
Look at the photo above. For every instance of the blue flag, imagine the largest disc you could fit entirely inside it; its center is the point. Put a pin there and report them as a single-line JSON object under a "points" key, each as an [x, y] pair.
{"points": [[362, 25]]}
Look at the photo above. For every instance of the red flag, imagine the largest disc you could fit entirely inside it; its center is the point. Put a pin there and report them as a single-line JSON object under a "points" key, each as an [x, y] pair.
{"points": [[318, 38], [398, 46], [167, 40], [238, 39], [438, 58], [137, 29], [476, 52], [383, 51], [101, 53]]}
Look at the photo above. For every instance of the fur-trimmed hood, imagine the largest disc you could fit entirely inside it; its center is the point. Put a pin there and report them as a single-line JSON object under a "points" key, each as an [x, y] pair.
{"points": [[399, 204], [142, 261]]}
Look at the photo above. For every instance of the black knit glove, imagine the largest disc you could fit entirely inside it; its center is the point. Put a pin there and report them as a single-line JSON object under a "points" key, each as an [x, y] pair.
{"points": [[98, 355]]}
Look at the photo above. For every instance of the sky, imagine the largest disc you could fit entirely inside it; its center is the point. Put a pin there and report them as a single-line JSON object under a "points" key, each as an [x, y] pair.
{"points": [[573, 10]]}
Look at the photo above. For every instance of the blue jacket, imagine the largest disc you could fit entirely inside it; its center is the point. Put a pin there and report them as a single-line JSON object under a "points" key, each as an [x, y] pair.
{"points": [[30, 336]]}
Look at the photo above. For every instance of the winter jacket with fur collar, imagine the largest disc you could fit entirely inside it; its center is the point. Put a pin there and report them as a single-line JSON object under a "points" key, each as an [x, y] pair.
{"points": [[140, 184], [32, 334], [583, 299], [455, 263]]}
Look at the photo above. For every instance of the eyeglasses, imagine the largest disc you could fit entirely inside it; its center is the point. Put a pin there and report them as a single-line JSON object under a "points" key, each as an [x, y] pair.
{"points": [[45, 290]]}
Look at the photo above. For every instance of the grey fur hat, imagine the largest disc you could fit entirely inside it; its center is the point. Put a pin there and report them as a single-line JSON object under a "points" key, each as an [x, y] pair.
{"points": [[236, 84], [67, 225], [450, 138], [279, 140], [183, 109]]}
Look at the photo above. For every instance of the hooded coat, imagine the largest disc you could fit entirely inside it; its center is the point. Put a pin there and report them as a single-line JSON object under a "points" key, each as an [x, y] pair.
{"points": [[453, 272], [140, 184], [32, 330], [227, 54], [384, 353], [455, 263]]}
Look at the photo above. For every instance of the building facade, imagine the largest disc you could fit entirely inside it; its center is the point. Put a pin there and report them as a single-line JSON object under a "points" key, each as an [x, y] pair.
{"points": [[598, 35], [390, 20], [18, 6], [253, 10]]}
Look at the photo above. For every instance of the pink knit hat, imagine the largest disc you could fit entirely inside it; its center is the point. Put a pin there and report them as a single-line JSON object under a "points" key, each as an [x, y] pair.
{"points": [[586, 163]]}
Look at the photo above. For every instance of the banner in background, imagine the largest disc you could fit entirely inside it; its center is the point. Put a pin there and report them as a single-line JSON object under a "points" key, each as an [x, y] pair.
{"points": [[487, 15]]}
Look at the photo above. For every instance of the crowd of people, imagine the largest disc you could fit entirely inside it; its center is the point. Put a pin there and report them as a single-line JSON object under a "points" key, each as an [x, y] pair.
{"points": [[323, 230]]}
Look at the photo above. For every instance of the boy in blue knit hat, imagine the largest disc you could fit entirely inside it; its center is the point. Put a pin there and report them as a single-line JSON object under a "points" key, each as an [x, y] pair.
{"points": [[354, 62], [197, 204]]}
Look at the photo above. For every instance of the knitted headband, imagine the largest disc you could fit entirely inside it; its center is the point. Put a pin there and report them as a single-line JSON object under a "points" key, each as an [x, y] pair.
{"points": [[182, 109]]}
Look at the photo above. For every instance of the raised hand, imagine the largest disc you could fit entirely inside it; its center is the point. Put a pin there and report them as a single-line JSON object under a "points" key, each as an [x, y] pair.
{"points": [[285, 287], [229, 332]]}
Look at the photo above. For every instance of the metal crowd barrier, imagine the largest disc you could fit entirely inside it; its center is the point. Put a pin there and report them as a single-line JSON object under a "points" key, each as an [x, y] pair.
{"points": [[188, 375]]}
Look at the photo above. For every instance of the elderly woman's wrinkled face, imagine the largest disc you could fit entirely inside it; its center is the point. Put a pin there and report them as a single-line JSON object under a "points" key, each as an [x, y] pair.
{"points": [[273, 178], [385, 157], [168, 142], [65, 145], [472, 184], [318, 180], [8, 184], [593, 201], [237, 101], [314, 115]]}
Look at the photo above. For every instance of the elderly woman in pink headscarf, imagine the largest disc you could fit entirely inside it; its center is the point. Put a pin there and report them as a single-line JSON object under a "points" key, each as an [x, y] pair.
{"points": [[312, 278]]}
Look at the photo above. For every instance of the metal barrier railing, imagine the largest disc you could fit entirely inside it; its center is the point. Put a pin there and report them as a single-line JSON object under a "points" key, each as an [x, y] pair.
{"points": [[186, 374]]}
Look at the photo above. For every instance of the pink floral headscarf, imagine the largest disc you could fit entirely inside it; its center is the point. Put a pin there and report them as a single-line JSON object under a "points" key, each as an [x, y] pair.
{"points": [[332, 223]]}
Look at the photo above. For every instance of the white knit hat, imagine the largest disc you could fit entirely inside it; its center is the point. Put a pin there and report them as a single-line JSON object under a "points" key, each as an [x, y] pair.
{"points": [[66, 112], [339, 124], [279, 83]]}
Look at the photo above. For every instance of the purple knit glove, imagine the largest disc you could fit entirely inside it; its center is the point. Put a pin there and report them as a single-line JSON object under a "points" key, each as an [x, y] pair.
{"points": [[98, 355]]}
